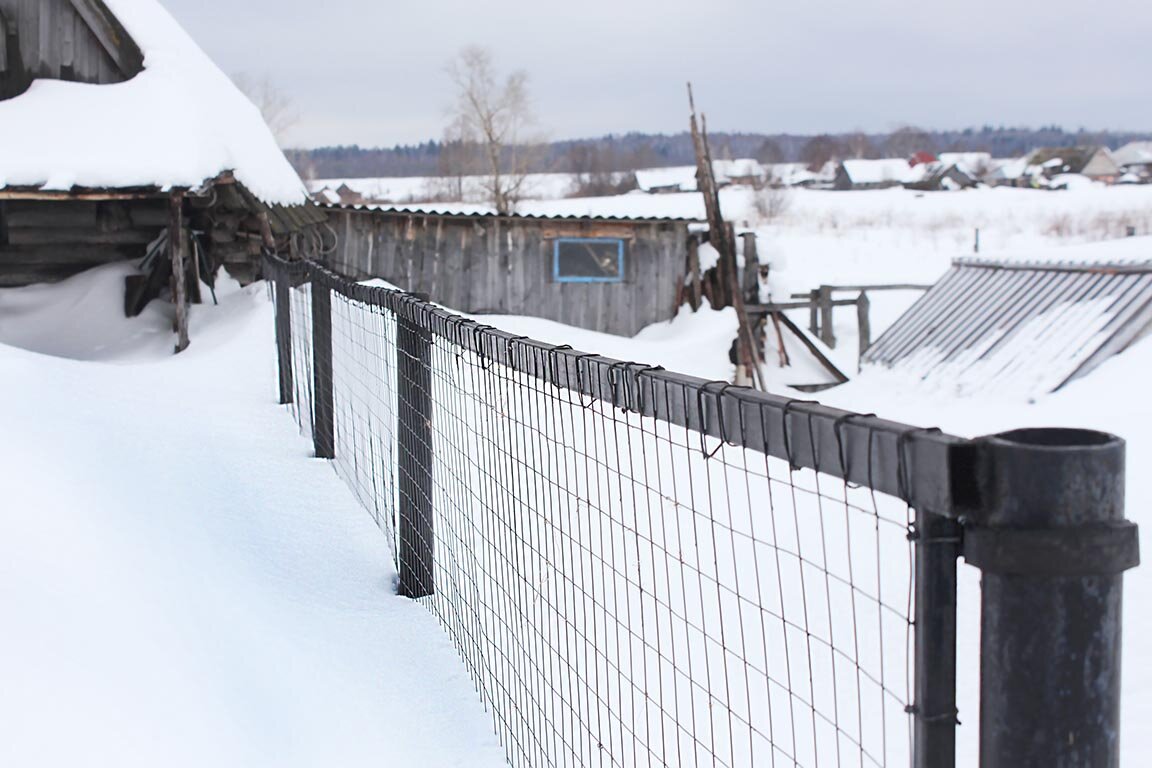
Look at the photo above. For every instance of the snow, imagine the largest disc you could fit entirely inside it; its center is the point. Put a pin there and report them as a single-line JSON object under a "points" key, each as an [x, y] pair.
{"points": [[1134, 153], [242, 609], [968, 160], [181, 584], [895, 171], [682, 178], [417, 189], [178, 123]]}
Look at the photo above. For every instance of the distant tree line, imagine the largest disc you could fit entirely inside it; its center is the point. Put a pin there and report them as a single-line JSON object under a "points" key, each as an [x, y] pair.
{"points": [[597, 159]]}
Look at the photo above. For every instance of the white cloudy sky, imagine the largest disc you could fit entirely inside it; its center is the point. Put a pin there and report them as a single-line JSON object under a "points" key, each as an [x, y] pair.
{"points": [[371, 71]]}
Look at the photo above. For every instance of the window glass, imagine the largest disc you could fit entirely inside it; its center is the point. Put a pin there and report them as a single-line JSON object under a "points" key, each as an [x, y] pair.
{"points": [[589, 260]]}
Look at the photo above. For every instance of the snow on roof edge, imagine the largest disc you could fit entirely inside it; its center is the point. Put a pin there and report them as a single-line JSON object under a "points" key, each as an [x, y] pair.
{"points": [[127, 140]]}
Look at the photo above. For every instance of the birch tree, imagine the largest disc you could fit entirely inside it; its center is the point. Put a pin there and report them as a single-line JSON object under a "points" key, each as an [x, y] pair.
{"points": [[493, 115]]}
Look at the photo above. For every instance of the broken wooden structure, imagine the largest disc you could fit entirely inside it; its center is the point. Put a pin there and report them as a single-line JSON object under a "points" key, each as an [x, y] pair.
{"points": [[182, 233], [820, 304]]}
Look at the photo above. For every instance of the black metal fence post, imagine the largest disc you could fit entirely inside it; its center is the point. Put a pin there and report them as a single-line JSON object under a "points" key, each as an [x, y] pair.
{"points": [[1052, 542], [323, 417], [937, 540], [414, 441], [281, 288]]}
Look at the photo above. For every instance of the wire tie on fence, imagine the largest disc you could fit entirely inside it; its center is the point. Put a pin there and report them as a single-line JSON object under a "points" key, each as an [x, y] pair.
{"points": [[636, 374], [478, 341], [903, 480], [944, 717], [788, 433], [838, 429], [508, 351], [580, 381], [700, 392], [614, 380], [555, 366]]}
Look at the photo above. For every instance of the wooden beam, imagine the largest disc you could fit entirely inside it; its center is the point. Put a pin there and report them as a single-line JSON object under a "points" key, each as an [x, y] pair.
{"points": [[179, 287], [110, 194], [112, 36], [855, 288], [820, 356], [863, 306]]}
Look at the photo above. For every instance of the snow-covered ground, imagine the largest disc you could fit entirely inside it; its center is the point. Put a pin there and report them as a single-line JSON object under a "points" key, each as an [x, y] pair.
{"points": [[180, 572], [180, 584]]}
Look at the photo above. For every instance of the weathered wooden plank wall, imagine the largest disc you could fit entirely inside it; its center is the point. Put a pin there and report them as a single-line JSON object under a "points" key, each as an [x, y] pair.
{"points": [[77, 40], [486, 265], [45, 241]]}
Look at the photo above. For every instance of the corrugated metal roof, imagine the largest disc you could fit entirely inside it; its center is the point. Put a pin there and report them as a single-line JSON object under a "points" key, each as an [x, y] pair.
{"points": [[1018, 328], [465, 213]]}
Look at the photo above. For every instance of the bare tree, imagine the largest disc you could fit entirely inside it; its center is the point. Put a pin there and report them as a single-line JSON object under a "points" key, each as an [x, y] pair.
{"points": [[819, 150], [857, 146], [596, 171], [770, 152], [907, 141], [495, 117], [276, 106], [457, 161]]}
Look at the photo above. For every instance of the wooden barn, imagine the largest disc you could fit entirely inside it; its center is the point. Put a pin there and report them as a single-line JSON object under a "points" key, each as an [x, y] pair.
{"points": [[172, 154], [615, 275]]}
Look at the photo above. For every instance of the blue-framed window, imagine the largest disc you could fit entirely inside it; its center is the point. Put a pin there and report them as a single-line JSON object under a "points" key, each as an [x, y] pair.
{"points": [[588, 260]]}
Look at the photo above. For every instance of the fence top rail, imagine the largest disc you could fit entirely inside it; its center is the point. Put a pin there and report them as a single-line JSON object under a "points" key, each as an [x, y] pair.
{"points": [[924, 467]]}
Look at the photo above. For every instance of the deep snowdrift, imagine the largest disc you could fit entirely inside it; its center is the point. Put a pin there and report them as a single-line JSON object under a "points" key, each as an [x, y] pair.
{"points": [[181, 585]]}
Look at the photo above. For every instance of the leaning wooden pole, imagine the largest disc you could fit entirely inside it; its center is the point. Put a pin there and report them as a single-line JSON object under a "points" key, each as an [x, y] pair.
{"points": [[723, 239], [179, 272]]}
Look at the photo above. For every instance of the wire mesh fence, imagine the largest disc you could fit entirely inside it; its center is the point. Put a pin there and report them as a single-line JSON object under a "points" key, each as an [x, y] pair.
{"points": [[638, 568]]}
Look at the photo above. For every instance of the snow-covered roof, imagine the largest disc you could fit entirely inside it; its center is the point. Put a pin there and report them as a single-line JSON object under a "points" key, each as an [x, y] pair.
{"points": [[1008, 167], [1027, 326], [325, 195], [178, 123], [879, 171], [468, 210], [967, 160], [681, 178], [1135, 153]]}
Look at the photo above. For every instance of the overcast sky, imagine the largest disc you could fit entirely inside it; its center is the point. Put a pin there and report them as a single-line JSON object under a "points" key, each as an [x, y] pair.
{"points": [[370, 72]]}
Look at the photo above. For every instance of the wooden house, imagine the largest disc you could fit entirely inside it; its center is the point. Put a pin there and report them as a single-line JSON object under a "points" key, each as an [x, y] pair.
{"points": [[610, 274], [871, 174], [1094, 162], [1135, 161], [173, 164], [940, 176]]}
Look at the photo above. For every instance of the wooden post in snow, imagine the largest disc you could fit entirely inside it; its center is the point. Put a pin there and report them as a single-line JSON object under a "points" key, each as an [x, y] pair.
{"points": [[862, 307], [751, 285], [694, 272], [827, 335], [176, 246], [814, 312]]}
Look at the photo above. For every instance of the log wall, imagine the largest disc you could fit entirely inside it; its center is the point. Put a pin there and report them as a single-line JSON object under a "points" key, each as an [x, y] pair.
{"points": [[46, 241]]}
